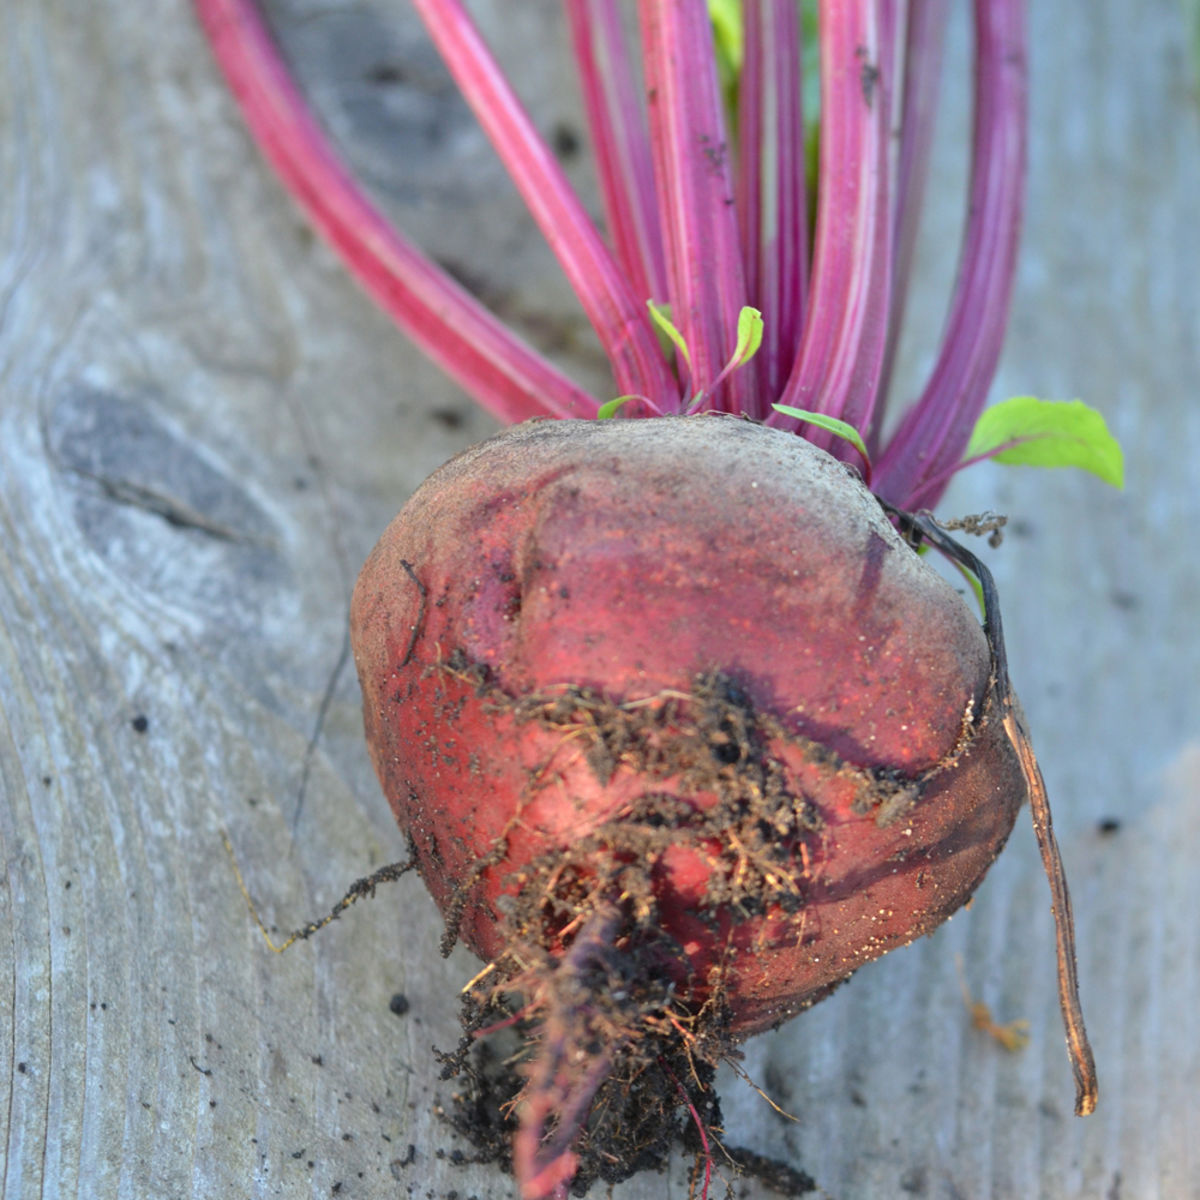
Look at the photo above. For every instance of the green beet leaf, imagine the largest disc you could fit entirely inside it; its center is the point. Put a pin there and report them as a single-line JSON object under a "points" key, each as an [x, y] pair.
{"points": [[1030, 432], [728, 37], [660, 314], [749, 335], [610, 408], [843, 429]]}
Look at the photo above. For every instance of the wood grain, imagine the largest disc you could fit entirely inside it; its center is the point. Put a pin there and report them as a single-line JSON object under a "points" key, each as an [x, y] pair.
{"points": [[203, 427]]}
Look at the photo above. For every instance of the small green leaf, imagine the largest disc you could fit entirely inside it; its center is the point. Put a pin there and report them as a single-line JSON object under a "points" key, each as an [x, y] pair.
{"points": [[749, 336], [660, 314], [843, 429], [609, 408], [1048, 433], [728, 36]]}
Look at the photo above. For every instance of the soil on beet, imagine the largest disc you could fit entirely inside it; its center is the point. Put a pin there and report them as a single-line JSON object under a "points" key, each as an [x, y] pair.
{"points": [[629, 1130], [629, 998], [616, 1146]]}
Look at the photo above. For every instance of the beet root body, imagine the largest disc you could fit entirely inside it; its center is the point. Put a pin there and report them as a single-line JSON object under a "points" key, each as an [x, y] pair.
{"points": [[674, 719]]}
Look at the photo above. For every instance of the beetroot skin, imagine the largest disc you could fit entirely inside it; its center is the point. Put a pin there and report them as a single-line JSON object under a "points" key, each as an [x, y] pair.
{"points": [[675, 689]]}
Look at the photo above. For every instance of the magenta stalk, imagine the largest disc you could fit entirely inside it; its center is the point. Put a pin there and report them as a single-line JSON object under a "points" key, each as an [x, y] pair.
{"points": [[509, 379], [837, 370]]}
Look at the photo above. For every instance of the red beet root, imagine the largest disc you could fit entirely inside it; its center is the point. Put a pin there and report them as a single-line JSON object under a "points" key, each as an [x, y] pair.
{"points": [[675, 774]]}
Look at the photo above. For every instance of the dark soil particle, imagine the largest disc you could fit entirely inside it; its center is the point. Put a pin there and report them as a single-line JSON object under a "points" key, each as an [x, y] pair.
{"points": [[448, 418]]}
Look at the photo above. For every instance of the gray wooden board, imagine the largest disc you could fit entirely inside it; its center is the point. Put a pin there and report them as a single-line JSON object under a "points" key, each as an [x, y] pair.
{"points": [[203, 427]]}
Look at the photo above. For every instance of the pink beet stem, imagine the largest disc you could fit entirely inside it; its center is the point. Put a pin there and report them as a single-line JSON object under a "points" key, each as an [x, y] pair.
{"points": [[472, 346], [934, 433], [621, 145], [837, 371], [936, 484], [862, 253], [771, 184], [617, 314], [923, 46], [694, 177]]}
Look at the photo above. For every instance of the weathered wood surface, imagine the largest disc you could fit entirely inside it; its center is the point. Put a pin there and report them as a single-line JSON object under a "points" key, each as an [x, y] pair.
{"points": [[203, 426]]}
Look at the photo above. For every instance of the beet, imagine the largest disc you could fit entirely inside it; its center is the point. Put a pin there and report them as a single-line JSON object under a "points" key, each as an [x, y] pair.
{"points": [[675, 773], [680, 727]]}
